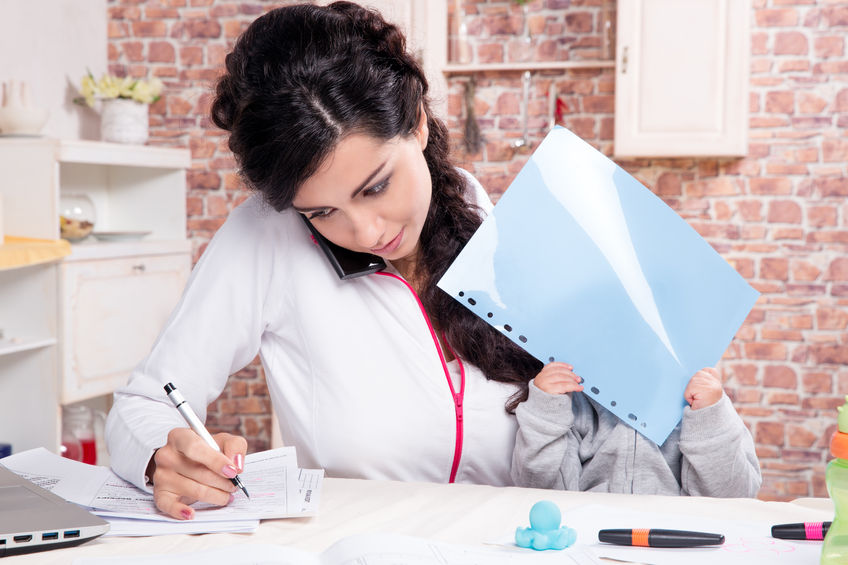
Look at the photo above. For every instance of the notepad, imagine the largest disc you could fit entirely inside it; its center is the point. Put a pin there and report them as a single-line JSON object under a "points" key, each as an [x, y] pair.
{"points": [[579, 262]]}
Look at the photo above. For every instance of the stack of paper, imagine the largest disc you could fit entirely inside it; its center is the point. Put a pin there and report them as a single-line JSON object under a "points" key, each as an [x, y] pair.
{"points": [[279, 489]]}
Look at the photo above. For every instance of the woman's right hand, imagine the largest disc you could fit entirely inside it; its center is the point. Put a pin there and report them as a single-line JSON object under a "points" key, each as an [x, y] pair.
{"points": [[558, 378], [186, 470]]}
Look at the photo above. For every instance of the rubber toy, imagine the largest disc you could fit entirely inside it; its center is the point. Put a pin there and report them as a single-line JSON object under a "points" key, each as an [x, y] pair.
{"points": [[544, 531]]}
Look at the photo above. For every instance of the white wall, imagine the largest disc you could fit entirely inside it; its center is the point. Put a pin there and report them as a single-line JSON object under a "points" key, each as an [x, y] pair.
{"points": [[50, 43]]}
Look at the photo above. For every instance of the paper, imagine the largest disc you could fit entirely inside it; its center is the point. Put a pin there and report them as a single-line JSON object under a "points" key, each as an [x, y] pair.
{"points": [[362, 549], [264, 554], [129, 527], [278, 490], [745, 542], [579, 262]]}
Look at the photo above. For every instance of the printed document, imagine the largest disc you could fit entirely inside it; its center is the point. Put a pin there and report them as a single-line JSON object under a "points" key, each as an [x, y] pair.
{"points": [[272, 477]]}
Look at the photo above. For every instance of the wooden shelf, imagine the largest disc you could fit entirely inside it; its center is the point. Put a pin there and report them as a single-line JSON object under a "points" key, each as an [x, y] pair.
{"points": [[17, 252], [457, 69]]}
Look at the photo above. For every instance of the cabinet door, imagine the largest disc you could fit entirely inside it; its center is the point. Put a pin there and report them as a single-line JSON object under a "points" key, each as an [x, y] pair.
{"points": [[112, 311], [682, 78], [424, 23]]}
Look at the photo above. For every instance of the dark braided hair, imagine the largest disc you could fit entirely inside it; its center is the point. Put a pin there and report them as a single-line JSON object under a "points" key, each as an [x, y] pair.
{"points": [[303, 77]]}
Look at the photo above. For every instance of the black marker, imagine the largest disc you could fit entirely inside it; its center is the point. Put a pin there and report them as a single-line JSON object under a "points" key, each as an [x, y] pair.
{"points": [[801, 530], [659, 538]]}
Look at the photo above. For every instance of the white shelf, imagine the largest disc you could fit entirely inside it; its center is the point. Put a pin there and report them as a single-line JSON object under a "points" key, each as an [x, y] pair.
{"points": [[457, 69], [102, 153], [10, 345]]}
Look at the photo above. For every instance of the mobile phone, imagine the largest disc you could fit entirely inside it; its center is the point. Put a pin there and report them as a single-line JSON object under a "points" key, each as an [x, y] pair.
{"points": [[347, 264]]}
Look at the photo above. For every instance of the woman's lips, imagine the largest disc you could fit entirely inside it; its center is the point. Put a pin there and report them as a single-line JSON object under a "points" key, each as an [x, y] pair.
{"points": [[390, 246]]}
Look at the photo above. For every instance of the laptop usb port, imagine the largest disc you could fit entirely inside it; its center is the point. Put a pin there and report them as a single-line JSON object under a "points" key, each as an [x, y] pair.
{"points": [[72, 534], [23, 539], [50, 536]]}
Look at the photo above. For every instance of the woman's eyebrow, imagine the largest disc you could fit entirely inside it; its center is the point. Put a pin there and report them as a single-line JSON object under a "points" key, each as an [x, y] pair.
{"points": [[368, 179], [356, 191]]}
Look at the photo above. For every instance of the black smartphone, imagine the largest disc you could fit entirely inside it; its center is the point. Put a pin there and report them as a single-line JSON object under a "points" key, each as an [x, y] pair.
{"points": [[347, 264]]}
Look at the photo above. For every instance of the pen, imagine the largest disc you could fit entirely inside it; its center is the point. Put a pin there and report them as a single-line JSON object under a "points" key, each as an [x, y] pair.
{"points": [[659, 538], [801, 530], [196, 425]]}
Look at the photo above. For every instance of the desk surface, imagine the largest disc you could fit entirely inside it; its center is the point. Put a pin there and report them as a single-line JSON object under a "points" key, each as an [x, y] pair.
{"points": [[465, 514]]}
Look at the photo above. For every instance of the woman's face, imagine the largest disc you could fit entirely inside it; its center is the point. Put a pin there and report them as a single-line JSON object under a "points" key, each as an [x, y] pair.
{"points": [[371, 195]]}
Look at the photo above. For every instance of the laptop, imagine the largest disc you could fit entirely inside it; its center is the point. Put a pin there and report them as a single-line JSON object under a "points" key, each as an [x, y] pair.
{"points": [[34, 519]]}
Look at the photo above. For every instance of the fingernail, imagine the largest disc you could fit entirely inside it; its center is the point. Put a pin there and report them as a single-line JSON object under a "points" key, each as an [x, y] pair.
{"points": [[187, 513], [239, 462], [232, 498], [229, 471]]}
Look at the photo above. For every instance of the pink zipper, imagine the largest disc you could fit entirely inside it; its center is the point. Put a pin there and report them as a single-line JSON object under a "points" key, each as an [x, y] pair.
{"points": [[457, 396]]}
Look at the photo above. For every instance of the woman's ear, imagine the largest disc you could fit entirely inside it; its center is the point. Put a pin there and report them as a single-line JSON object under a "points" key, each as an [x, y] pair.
{"points": [[422, 132]]}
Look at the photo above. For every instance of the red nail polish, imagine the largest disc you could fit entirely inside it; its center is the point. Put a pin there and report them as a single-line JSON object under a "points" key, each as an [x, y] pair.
{"points": [[187, 514]]}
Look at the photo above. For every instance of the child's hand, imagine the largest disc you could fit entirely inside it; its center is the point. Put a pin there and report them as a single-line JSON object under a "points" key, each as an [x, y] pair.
{"points": [[704, 389], [558, 378]]}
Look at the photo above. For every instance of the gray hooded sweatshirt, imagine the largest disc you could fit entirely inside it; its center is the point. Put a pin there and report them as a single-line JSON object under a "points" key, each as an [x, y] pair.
{"points": [[570, 442]]}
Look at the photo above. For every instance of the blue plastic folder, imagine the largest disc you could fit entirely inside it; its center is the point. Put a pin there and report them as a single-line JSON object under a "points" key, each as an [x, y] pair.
{"points": [[579, 262]]}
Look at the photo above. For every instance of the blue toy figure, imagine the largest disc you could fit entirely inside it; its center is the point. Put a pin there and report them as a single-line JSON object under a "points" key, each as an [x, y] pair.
{"points": [[544, 531]]}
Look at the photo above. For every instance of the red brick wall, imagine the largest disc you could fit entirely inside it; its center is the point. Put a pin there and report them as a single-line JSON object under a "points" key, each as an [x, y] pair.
{"points": [[779, 215]]}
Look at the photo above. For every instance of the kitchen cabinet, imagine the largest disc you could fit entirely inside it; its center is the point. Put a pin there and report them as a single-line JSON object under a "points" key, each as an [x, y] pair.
{"points": [[73, 329], [682, 78]]}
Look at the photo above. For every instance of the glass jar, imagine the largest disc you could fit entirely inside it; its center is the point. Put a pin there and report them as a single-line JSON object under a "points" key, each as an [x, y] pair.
{"points": [[76, 216], [82, 423]]}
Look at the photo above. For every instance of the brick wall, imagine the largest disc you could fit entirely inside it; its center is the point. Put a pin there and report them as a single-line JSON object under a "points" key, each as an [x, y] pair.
{"points": [[779, 215]]}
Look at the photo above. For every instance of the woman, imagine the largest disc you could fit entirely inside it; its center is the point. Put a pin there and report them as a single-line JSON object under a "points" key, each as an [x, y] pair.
{"points": [[380, 376]]}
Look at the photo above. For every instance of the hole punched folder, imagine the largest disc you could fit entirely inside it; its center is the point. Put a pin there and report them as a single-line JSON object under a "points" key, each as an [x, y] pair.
{"points": [[581, 263], [34, 519]]}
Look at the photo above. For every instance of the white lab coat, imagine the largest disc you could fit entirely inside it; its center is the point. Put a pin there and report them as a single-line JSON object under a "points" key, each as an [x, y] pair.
{"points": [[351, 366]]}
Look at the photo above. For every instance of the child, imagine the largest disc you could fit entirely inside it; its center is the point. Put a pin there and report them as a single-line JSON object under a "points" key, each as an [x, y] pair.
{"points": [[568, 441]]}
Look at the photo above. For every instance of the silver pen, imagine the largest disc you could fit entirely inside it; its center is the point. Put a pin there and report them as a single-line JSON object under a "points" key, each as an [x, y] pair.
{"points": [[195, 424]]}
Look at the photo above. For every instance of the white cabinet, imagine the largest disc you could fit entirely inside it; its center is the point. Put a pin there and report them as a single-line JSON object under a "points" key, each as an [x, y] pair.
{"points": [[88, 319], [424, 23], [682, 74], [112, 311]]}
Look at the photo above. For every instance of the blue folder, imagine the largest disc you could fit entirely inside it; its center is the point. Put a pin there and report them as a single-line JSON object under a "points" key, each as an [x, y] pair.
{"points": [[579, 262]]}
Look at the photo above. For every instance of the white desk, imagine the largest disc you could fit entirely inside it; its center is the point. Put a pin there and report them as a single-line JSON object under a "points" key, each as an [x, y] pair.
{"points": [[464, 514]]}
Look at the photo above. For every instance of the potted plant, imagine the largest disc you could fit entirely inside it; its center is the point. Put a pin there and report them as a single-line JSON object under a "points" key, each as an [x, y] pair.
{"points": [[124, 105]]}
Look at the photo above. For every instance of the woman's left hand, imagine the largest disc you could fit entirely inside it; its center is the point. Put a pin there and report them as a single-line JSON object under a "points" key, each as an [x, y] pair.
{"points": [[704, 389]]}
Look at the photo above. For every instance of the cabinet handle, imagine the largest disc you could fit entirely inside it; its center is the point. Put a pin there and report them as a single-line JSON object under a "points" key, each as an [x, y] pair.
{"points": [[624, 60], [138, 268]]}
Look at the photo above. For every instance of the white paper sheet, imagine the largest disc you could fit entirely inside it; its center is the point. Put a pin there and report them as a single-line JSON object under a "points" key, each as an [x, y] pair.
{"points": [[362, 549], [272, 478], [128, 527]]}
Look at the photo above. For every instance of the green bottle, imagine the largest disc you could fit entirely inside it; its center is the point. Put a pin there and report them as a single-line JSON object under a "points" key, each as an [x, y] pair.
{"points": [[835, 546]]}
